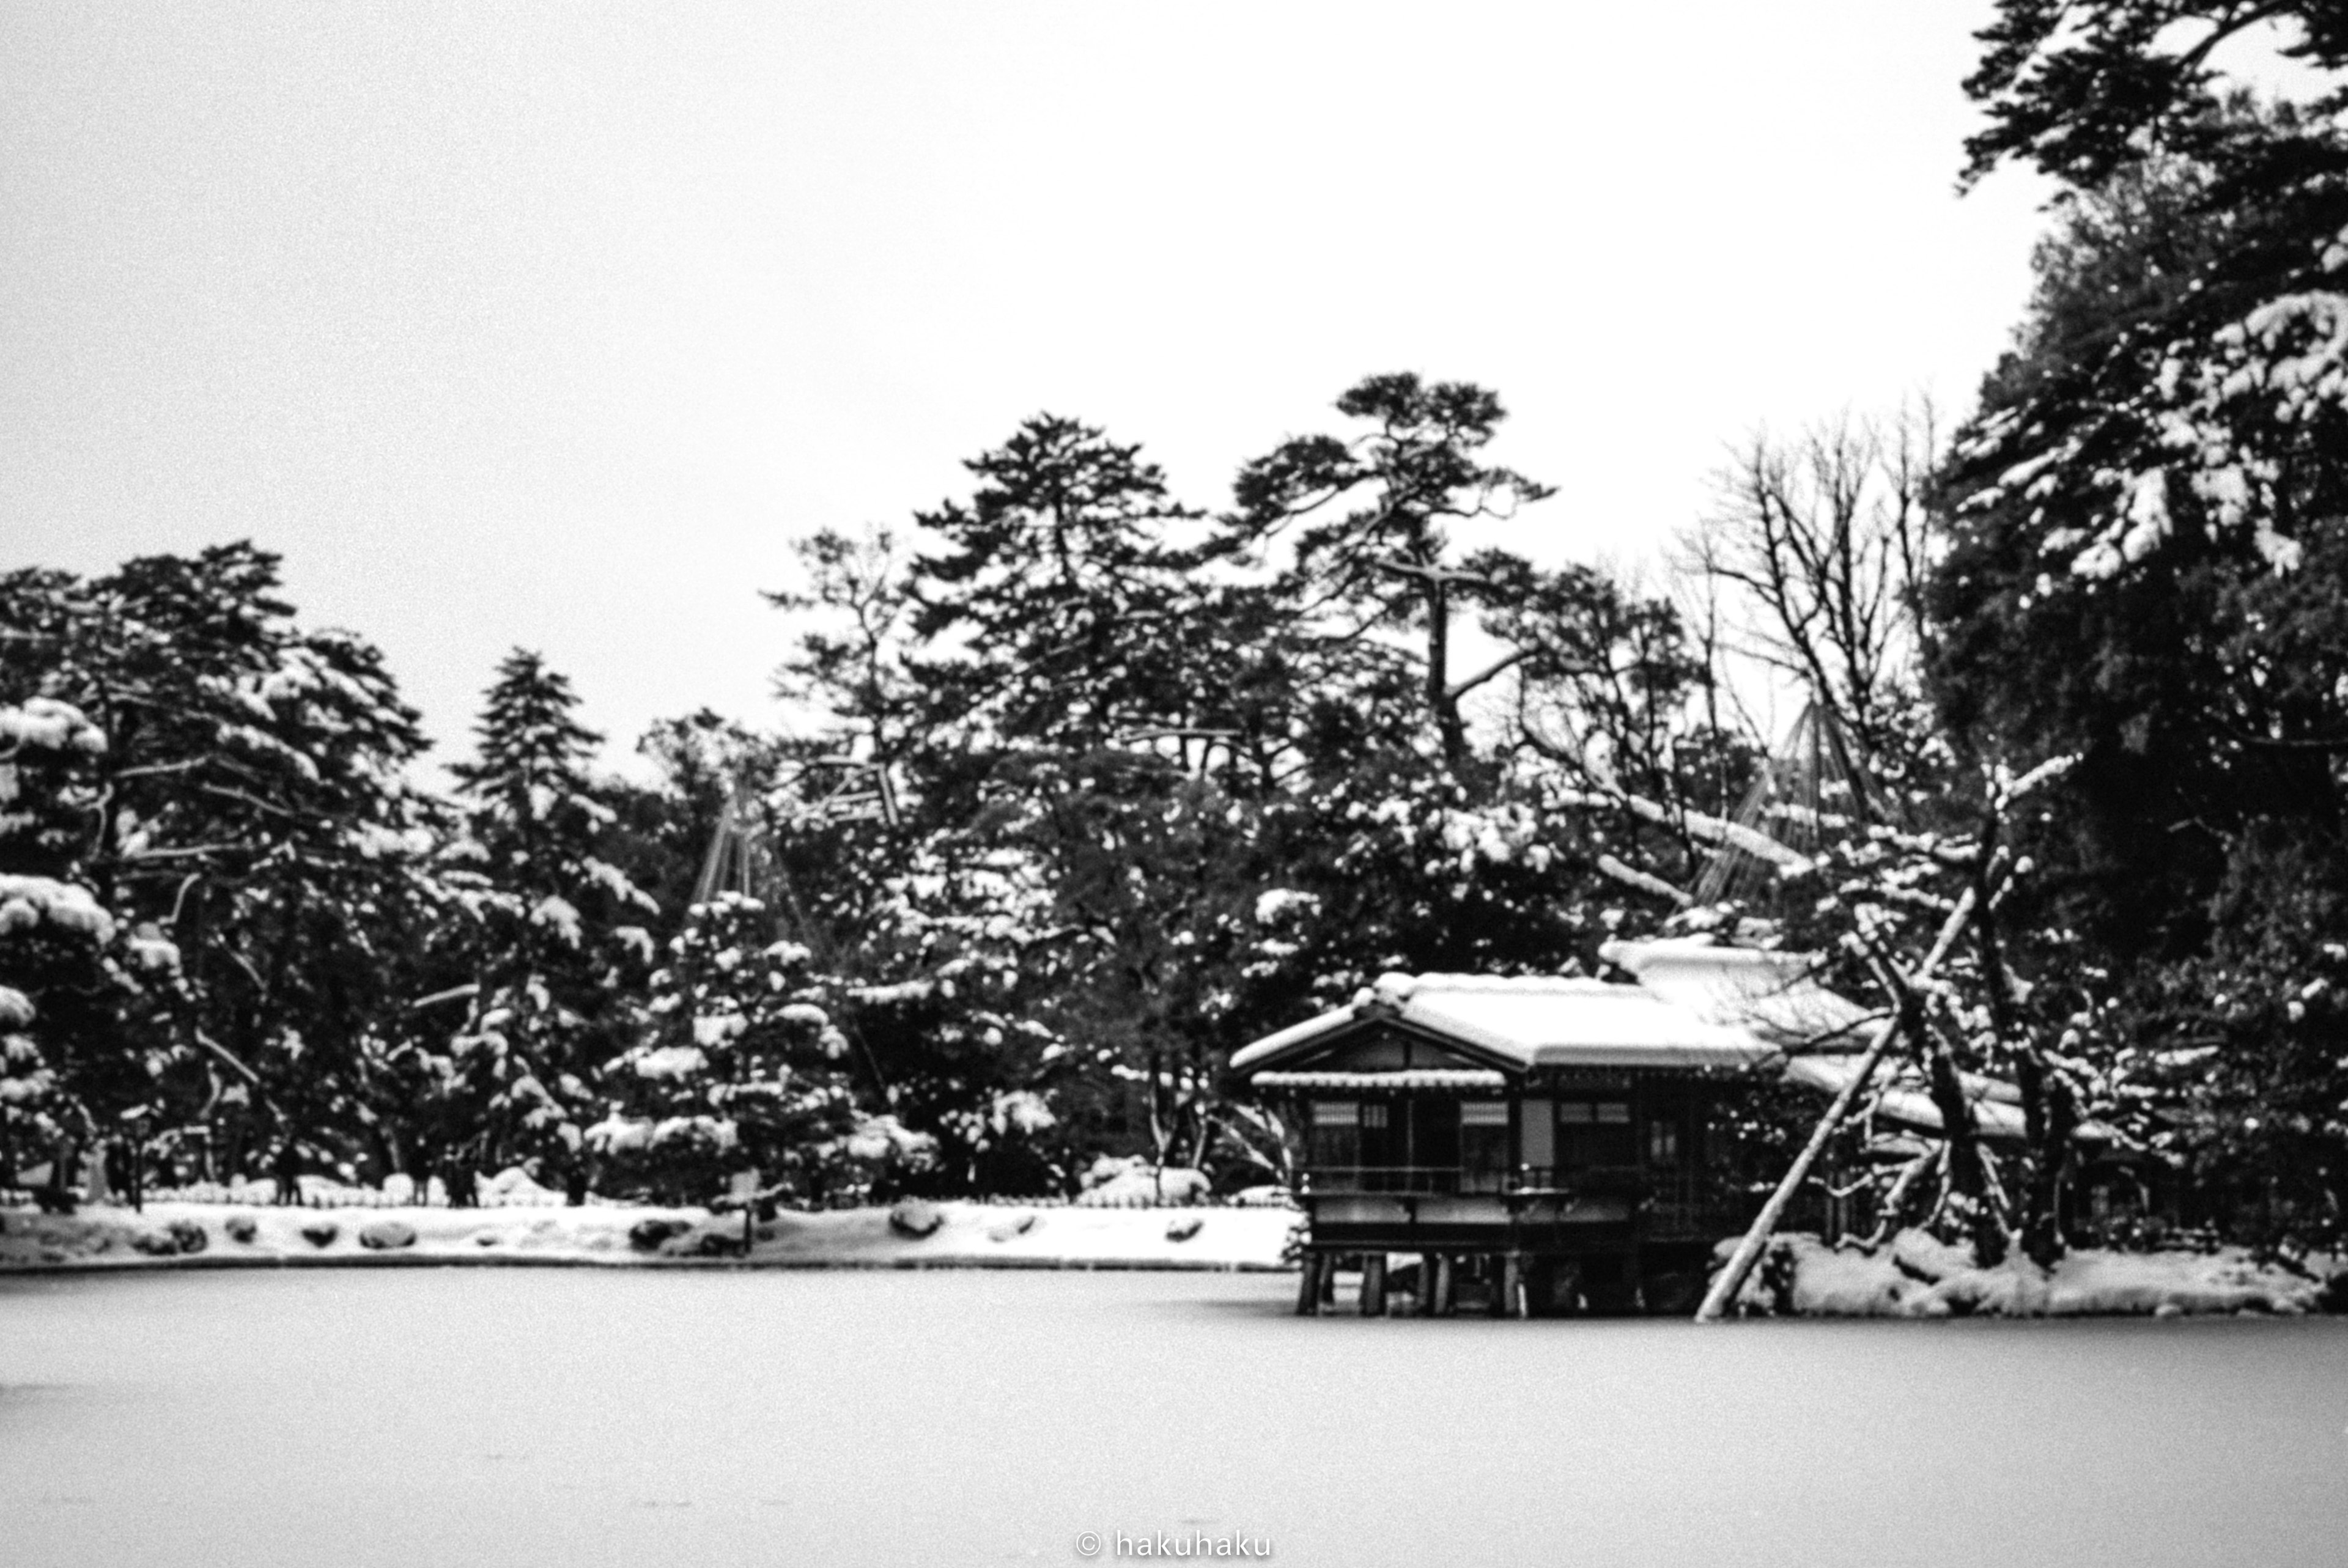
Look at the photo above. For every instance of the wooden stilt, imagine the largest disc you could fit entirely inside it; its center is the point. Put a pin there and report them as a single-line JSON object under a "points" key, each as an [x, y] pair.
{"points": [[1442, 1294], [1308, 1287], [1427, 1269], [1373, 1286], [1512, 1286]]}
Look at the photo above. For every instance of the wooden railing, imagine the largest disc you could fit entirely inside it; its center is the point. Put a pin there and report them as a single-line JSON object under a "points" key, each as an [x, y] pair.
{"points": [[1674, 1203], [1611, 1181], [1427, 1180]]}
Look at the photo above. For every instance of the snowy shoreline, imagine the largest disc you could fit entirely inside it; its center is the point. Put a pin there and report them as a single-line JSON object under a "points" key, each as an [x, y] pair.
{"points": [[184, 1236], [1913, 1277]]}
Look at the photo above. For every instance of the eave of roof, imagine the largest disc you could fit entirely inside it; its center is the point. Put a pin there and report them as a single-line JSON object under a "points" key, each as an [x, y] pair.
{"points": [[1408, 1077]]}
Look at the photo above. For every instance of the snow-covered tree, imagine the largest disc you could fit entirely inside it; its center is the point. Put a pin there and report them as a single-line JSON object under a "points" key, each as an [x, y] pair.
{"points": [[1362, 531], [739, 1069], [59, 996], [1110, 734], [249, 828], [2147, 553], [553, 935], [1055, 609]]}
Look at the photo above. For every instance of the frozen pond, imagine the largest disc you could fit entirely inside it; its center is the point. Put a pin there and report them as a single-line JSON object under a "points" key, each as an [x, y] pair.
{"points": [[517, 1416]]}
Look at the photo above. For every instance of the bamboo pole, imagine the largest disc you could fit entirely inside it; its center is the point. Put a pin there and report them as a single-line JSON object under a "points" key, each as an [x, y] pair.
{"points": [[1732, 1277]]}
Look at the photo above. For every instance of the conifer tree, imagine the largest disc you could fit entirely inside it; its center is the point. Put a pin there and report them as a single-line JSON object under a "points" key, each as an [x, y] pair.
{"points": [[1366, 526], [2145, 554], [249, 828], [550, 940], [739, 1069]]}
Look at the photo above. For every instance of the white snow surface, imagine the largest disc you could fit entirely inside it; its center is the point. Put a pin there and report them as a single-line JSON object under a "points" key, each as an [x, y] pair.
{"points": [[1133, 1184], [972, 1235], [27, 901], [1771, 993], [1913, 1277], [1536, 1022], [1916, 1275], [46, 724]]}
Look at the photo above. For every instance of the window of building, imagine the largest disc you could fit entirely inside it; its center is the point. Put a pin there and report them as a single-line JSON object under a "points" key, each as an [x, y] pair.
{"points": [[1385, 1133], [1483, 1143], [1594, 1132], [1664, 1142], [1336, 1134]]}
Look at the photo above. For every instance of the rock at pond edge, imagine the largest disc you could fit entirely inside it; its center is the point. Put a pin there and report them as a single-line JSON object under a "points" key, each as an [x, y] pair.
{"points": [[647, 1234], [383, 1235], [916, 1217], [1018, 1226]]}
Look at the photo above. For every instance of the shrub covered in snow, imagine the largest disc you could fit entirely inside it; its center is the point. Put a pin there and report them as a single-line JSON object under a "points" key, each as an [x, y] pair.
{"points": [[741, 1073], [1135, 1183]]}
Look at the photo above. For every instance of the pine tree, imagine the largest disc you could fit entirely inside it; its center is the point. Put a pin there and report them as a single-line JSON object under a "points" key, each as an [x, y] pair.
{"points": [[1366, 526], [249, 826], [1065, 590], [59, 994], [739, 1070], [550, 939], [2145, 569]]}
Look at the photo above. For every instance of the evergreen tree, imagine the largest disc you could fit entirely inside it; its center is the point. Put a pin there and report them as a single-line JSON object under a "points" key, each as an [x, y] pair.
{"points": [[1366, 526], [551, 938], [2084, 90], [1161, 791], [1063, 590], [740, 1070], [60, 996], [249, 827], [2145, 569]]}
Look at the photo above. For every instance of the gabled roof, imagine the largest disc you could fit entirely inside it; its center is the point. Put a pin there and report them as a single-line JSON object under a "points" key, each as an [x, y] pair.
{"points": [[1525, 1022]]}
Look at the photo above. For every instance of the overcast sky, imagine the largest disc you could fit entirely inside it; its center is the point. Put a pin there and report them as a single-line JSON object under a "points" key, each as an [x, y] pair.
{"points": [[550, 324]]}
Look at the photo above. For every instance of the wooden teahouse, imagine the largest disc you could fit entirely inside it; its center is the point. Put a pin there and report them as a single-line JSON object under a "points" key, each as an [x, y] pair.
{"points": [[1541, 1145]]}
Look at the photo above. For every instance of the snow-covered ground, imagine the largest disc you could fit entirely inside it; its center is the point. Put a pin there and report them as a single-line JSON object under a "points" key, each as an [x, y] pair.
{"points": [[189, 1235], [1914, 1276], [1917, 1276]]}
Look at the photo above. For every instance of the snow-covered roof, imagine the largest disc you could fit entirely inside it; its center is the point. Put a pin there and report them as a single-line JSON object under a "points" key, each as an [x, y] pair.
{"points": [[1772, 994], [1902, 1097], [1535, 1022], [1695, 1005], [1908, 1104]]}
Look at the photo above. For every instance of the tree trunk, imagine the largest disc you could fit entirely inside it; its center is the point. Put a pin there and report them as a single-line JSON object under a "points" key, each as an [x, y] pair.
{"points": [[1966, 1176], [1440, 704], [2048, 1128], [288, 1171]]}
